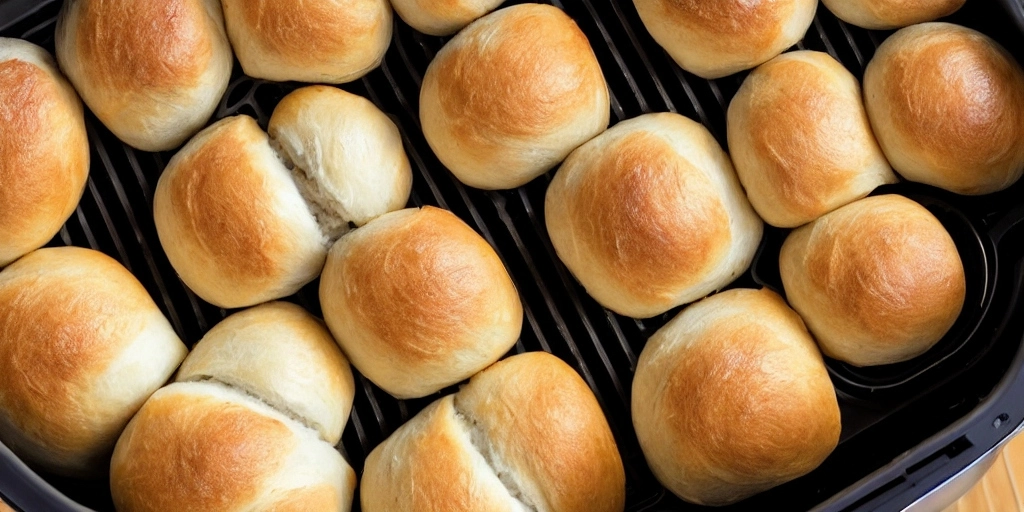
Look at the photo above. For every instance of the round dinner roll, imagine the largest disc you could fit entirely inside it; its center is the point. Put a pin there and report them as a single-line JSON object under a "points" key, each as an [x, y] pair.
{"points": [[947, 106], [321, 41], [878, 281], [524, 434], [202, 446], [44, 149], [649, 215], [348, 154], [233, 222], [284, 356], [801, 140], [712, 39], [512, 95], [890, 14], [732, 398], [419, 301], [442, 18], [83, 346], [152, 72]]}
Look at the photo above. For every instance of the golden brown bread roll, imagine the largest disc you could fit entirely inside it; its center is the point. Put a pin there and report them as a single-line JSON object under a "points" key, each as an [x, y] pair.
{"points": [[44, 150], [801, 140], [442, 17], [419, 301], [152, 72], [890, 14], [281, 354], [348, 154], [732, 398], [83, 347], [947, 106], [322, 41], [202, 446], [649, 215], [713, 38], [878, 281], [524, 434], [511, 95], [233, 222]]}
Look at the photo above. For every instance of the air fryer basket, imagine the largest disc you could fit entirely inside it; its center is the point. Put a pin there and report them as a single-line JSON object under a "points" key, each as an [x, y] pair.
{"points": [[906, 427]]}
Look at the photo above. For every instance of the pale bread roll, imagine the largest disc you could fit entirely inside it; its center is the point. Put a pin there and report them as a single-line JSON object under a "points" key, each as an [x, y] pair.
{"points": [[418, 301], [233, 222], [83, 347], [947, 106], [284, 356], [732, 398], [649, 215], [320, 41], [713, 38], [153, 72], [801, 140], [442, 17], [890, 14], [348, 154], [524, 434], [44, 149], [878, 281], [511, 95], [202, 446]]}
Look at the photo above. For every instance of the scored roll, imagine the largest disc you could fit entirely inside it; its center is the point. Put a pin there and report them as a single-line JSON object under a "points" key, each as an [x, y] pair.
{"points": [[511, 95], [524, 434], [44, 149], [282, 355], [947, 105], [801, 140], [649, 215], [712, 39], [878, 281], [203, 446], [890, 14], [419, 301], [318, 41], [732, 398], [83, 347], [152, 72]]}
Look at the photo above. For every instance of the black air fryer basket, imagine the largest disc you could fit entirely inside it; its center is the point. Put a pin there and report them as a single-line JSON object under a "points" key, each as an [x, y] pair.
{"points": [[907, 428]]}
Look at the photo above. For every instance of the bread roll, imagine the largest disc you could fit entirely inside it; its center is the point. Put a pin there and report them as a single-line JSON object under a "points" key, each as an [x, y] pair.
{"points": [[83, 346], [732, 398], [712, 38], [511, 95], [442, 18], [890, 14], [419, 301], [524, 434], [152, 72], [285, 357], [322, 41], [348, 154], [801, 141], [878, 281], [947, 106], [649, 215], [44, 150], [201, 446], [232, 220]]}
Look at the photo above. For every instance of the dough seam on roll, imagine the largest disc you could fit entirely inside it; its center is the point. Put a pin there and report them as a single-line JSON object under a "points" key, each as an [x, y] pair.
{"points": [[479, 443], [240, 388], [329, 214]]}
